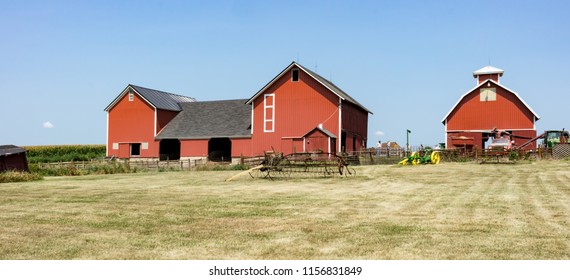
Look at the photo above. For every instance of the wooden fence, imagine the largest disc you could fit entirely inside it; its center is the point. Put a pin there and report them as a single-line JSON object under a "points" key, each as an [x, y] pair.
{"points": [[363, 157], [146, 164]]}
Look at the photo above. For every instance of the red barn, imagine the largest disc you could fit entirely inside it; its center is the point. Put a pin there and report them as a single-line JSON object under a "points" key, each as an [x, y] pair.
{"points": [[300, 111], [134, 119], [489, 106], [297, 111]]}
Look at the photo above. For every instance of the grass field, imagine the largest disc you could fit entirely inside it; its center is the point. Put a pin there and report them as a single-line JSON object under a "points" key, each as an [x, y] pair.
{"points": [[448, 211]]}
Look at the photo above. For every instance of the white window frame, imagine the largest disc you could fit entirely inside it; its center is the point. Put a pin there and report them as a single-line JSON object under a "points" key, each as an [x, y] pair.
{"points": [[131, 97], [488, 94], [268, 106]]}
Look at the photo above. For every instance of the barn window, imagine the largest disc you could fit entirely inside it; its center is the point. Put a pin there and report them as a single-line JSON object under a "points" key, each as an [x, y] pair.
{"points": [[269, 112], [488, 94], [295, 75], [131, 96], [135, 149]]}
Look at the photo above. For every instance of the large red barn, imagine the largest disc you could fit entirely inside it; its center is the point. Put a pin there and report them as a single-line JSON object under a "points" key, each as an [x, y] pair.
{"points": [[487, 107], [297, 111], [300, 111]]}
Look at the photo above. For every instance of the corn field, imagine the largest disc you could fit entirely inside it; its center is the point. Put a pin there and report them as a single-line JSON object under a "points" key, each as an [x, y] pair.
{"points": [[64, 153]]}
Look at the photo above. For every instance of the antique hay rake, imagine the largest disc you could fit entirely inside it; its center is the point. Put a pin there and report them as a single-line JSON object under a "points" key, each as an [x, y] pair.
{"points": [[277, 165]]}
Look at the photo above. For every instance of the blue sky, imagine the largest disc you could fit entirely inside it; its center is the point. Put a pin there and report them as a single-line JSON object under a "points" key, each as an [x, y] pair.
{"points": [[63, 62]]}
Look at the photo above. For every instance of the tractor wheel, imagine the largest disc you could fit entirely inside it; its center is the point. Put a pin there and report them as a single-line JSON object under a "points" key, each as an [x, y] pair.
{"points": [[435, 157], [415, 157]]}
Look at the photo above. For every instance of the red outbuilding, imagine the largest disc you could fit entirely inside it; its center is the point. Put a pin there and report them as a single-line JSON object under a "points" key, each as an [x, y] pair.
{"points": [[297, 111], [487, 108]]}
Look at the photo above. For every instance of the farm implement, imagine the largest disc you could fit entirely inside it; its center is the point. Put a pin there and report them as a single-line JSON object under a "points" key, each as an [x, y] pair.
{"points": [[277, 165], [503, 150], [422, 157]]}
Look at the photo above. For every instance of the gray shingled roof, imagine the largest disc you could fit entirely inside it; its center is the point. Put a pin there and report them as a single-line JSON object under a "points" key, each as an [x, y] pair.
{"points": [[159, 99], [331, 86], [323, 130], [6, 150], [208, 119]]}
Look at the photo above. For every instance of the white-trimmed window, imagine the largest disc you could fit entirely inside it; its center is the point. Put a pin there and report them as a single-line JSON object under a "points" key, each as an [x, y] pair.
{"points": [[269, 112], [131, 96], [488, 94]]}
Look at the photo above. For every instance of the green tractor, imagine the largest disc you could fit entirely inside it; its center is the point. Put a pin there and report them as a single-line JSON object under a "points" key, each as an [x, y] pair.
{"points": [[552, 137], [423, 157]]}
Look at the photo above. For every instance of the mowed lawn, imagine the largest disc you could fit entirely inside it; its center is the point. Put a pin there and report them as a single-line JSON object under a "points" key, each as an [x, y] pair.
{"points": [[446, 211]]}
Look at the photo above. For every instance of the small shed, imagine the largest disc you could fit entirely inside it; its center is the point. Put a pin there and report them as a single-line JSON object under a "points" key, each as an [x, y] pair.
{"points": [[13, 158]]}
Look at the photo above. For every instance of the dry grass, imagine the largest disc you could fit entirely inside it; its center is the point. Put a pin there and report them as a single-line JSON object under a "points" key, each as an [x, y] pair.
{"points": [[450, 211]]}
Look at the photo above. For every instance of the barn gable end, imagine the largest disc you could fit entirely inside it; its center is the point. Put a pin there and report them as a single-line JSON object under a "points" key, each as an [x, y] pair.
{"points": [[488, 106], [135, 117], [298, 100]]}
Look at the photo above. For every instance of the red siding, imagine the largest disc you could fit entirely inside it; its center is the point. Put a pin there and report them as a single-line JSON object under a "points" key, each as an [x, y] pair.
{"points": [[506, 113], [526, 134], [494, 77], [317, 141], [194, 148], [163, 117], [355, 124], [299, 107], [469, 140], [199, 147], [241, 147], [131, 122]]}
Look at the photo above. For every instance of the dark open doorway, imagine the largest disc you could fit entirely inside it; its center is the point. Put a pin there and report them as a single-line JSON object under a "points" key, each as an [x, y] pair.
{"points": [[220, 149], [169, 149], [343, 142]]}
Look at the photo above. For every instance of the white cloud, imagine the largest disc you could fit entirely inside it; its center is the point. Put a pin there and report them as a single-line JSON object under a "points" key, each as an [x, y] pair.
{"points": [[379, 133], [47, 124]]}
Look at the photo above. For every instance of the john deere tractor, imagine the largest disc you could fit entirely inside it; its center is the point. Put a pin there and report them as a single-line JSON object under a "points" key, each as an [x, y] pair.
{"points": [[423, 157]]}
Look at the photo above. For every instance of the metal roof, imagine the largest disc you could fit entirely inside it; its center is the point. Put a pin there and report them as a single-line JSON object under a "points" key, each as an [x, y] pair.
{"points": [[488, 70], [210, 119], [6, 150], [321, 129], [328, 84], [156, 98]]}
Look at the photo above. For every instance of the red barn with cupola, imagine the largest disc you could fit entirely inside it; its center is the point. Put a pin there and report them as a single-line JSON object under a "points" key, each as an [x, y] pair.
{"points": [[489, 106]]}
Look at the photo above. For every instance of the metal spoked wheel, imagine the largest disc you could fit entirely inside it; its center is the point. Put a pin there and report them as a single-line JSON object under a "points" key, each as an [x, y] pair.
{"points": [[283, 168], [435, 157]]}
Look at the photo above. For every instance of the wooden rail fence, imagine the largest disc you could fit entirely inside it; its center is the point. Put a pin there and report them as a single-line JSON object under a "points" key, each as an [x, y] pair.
{"points": [[145, 164]]}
